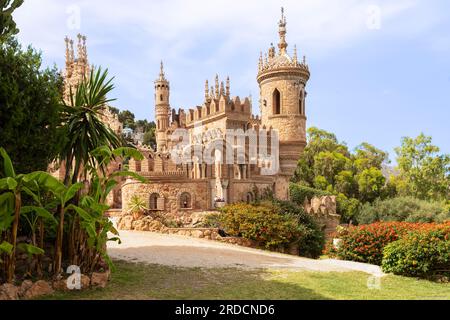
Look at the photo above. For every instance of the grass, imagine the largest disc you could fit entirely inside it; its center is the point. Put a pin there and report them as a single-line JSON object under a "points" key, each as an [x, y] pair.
{"points": [[133, 281]]}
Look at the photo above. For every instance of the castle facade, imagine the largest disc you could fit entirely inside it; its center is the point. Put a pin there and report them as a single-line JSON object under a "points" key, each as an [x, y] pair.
{"points": [[217, 152], [277, 139]]}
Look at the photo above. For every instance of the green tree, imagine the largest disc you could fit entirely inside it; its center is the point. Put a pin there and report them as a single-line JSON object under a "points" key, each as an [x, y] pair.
{"points": [[7, 25], [114, 110], [150, 138], [127, 118], [29, 107], [84, 129], [318, 141], [367, 156], [370, 184], [346, 183], [330, 164], [424, 173]]}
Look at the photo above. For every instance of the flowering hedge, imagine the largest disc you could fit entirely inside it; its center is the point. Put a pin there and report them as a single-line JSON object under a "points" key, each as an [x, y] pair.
{"points": [[273, 225], [419, 254], [366, 243], [261, 223]]}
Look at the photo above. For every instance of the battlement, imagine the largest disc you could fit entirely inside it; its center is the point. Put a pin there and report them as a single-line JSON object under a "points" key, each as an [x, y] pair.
{"points": [[321, 206], [217, 107]]}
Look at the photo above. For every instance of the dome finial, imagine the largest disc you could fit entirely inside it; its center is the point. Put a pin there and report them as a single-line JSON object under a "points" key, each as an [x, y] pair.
{"points": [[282, 31], [161, 70]]}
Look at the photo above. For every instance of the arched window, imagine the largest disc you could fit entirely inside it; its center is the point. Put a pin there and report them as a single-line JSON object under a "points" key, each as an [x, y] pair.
{"points": [[185, 201], [154, 201], [301, 103], [159, 125], [276, 102], [161, 97], [250, 197]]}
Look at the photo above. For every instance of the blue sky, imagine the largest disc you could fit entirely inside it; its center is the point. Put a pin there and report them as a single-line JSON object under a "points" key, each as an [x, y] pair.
{"points": [[380, 69]]}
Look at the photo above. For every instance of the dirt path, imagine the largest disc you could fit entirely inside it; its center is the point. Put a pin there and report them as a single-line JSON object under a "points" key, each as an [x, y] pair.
{"points": [[174, 250]]}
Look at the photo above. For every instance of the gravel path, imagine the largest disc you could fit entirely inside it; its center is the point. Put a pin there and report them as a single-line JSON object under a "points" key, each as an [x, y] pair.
{"points": [[180, 251]]}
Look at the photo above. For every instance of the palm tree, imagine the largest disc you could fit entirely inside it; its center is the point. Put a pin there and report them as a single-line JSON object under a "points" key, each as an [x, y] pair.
{"points": [[83, 128], [137, 206], [84, 132]]}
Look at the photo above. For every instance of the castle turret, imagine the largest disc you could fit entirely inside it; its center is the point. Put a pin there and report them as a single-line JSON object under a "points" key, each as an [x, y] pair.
{"points": [[162, 109], [282, 82], [77, 68]]}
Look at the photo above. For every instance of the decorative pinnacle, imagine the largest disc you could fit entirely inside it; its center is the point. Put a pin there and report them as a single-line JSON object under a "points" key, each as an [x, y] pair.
{"points": [[206, 90], [72, 51], [67, 40], [162, 76], [217, 92], [228, 87], [282, 31], [295, 54], [271, 51], [222, 89]]}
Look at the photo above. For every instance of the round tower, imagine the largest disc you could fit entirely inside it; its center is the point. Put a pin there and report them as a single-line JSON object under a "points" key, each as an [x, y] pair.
{"points": [[162, 109], [282, 80]]}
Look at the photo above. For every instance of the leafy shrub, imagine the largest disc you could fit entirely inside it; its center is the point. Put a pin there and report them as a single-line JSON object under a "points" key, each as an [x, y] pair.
{"points": [[299, 193], [274, 225], [419, 254], [366, 243], [403, 209], [211, 221], [347, 207], [313, 240], [261, 223]]}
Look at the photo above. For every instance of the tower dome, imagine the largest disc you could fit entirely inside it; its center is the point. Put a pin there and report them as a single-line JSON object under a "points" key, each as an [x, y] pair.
{"points": [[282, 80]]}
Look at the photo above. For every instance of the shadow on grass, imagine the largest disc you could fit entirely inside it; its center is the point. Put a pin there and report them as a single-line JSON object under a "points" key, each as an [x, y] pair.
{"points": [[137, 281]]}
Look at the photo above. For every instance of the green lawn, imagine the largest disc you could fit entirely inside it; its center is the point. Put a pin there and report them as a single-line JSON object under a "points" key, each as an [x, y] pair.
{"points": [[140, 281]]}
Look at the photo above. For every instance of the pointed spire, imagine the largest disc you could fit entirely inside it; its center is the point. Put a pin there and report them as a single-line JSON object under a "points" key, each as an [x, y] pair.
{"points": [[295, 58], [217, 87], [66, 39], [222, 89], [84, 53], [228, 93], [162, 76], [271, 51], [72, 51], [206, 90], [261, 62], [212, 92], [80, 46], [282, 31]]}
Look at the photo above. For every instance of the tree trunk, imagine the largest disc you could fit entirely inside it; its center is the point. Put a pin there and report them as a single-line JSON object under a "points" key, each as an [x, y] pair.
{"points": [[41, 245], [11, 261], [59, 241], [68, 166]]}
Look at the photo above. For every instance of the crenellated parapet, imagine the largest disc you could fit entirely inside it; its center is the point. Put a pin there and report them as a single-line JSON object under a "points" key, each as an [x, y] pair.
{"points": [[234, 108], [324, 209]]}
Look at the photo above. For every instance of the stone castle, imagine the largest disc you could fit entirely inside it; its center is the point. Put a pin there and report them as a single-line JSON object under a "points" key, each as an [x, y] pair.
{"points": [[197, 186], [181, 189]]}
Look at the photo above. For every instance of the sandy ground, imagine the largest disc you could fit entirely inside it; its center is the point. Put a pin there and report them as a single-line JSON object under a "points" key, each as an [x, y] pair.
{"points": [[180, 251]]}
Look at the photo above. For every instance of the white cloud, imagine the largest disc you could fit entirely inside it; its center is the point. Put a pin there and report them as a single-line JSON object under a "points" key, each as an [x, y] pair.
{"points": [[206, 36]]}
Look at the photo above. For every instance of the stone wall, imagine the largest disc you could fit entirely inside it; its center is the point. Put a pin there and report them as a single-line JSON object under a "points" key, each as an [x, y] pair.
{"points": [[171, 191], [240, 189], [324, 209]]}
